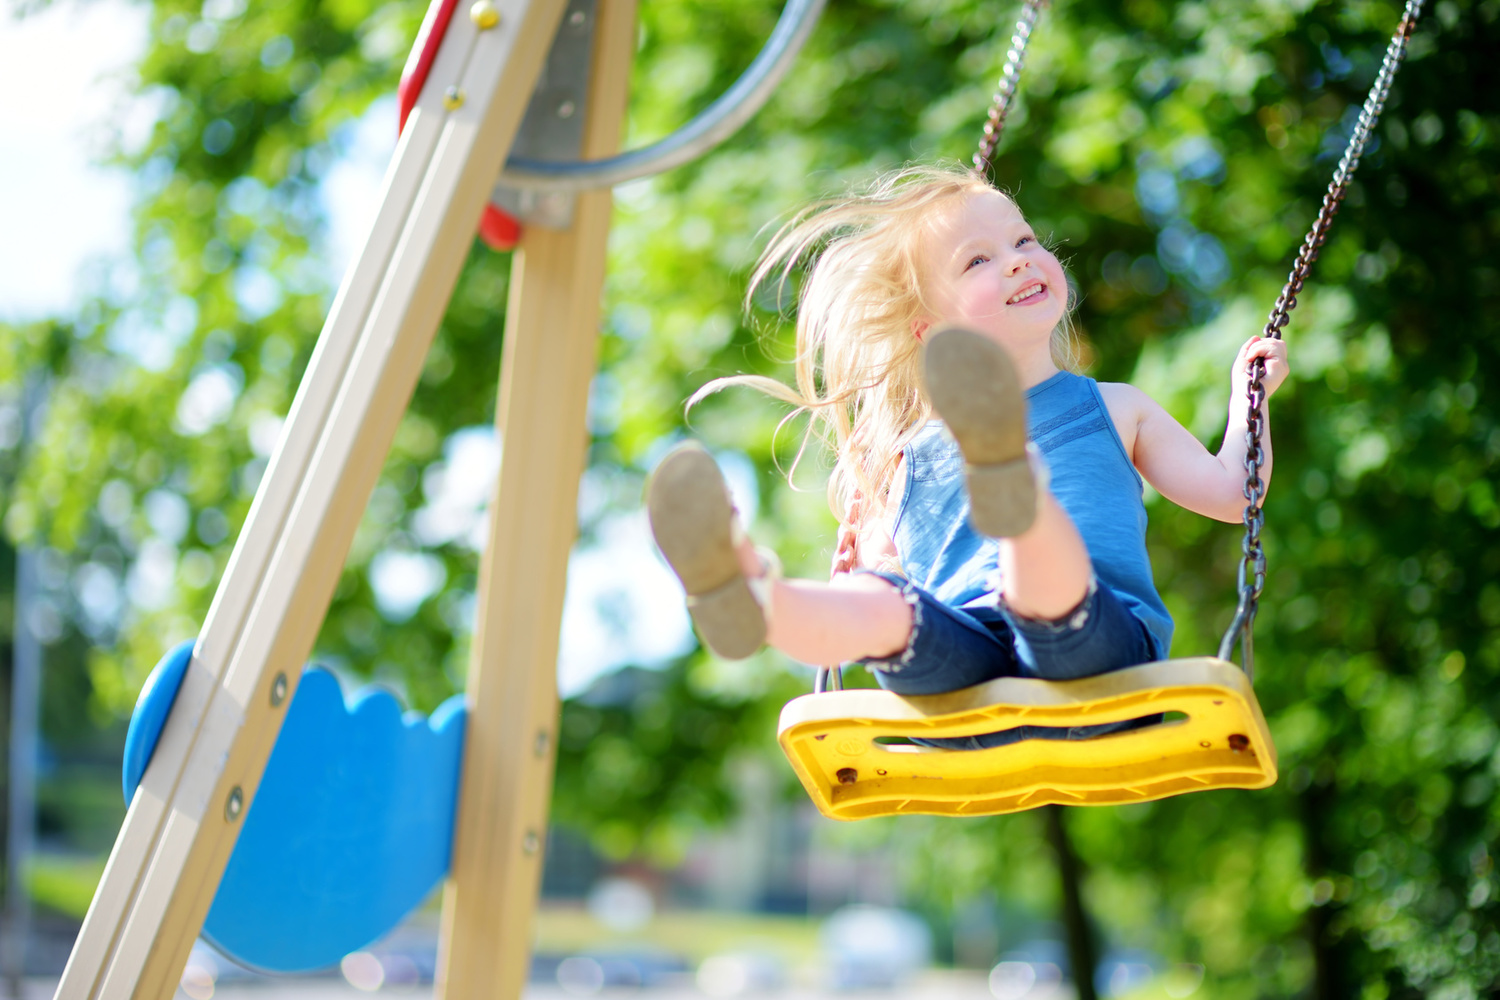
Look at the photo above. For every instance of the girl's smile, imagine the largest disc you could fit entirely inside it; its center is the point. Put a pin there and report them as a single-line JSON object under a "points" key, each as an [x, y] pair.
{"points": [[1033, 293]]}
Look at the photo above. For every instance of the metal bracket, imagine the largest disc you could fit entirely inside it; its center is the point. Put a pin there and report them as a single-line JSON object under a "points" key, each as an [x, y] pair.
{"points": [[553, 126]]}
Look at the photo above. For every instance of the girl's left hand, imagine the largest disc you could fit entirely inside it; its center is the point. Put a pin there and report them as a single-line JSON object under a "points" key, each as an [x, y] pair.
{"points": [[1273, 351]]}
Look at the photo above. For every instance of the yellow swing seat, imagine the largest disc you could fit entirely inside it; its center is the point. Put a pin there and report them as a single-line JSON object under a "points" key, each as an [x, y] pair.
{"points": [[1214, 736]]}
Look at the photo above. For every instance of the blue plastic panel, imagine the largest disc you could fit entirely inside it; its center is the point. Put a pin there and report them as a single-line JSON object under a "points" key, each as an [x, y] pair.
{"points": [[351, 829]]}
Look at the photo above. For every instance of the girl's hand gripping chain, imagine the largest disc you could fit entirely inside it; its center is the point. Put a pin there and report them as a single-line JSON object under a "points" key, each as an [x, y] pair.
{"points": [[1273, 351]]}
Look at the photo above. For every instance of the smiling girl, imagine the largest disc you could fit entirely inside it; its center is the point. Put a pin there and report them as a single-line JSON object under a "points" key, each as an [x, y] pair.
{"points": [[989, 497]]}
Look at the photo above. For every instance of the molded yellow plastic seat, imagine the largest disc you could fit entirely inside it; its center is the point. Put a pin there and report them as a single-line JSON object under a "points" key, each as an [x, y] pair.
{"points": [[1223, 742]]}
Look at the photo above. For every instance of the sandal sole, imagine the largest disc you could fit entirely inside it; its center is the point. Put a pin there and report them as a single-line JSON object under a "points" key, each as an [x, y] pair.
{"points": [[974, 387], [690, 512]]}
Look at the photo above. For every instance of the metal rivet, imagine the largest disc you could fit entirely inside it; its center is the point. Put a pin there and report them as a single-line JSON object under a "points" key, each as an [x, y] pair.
{"points": [[531, 842], [577, 19], [567, 109], [278, 690], [1204, 744], [484, 14], [543, 743], [235, 804], [881, 771], [847, 775], [453, 98]]}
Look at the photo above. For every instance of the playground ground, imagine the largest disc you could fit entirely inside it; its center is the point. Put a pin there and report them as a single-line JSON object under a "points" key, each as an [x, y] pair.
{"points": [[935, 985]]}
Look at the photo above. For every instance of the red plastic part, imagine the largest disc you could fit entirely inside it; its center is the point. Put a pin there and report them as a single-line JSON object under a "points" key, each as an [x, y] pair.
{"points": [[498, 230], [423, 55]]}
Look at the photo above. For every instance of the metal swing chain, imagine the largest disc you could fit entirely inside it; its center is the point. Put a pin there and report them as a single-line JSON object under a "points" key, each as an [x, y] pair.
{"points": [[1252, 567], [1010, 77]]}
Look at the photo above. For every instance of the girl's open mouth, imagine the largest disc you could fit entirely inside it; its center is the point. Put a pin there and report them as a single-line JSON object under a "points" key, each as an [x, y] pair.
{"points": [[1031, 293]]}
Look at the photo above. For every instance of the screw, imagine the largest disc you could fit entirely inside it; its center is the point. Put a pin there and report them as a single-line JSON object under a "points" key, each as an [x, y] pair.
{"points": [[543, 743], [577, 19], [453, 98], [847, 775], [235, 804], [1239, 743], [278, 690], [567, 109], [484, 14], [530, 842]]}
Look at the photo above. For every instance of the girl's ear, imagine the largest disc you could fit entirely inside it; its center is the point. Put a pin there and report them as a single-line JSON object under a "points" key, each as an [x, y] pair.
{"points": [[920, 326]]}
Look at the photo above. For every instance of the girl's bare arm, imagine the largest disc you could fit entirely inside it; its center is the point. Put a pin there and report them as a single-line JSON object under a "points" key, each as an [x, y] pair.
{"points": [[1175, 462]]}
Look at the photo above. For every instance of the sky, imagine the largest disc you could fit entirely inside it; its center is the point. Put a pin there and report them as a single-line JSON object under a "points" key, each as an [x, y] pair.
{"points": [[63, 73], [60, 77]]}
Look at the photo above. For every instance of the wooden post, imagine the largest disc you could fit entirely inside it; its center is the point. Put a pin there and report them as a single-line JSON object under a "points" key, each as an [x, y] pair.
{"points": [[550, 348], [181, 827]]}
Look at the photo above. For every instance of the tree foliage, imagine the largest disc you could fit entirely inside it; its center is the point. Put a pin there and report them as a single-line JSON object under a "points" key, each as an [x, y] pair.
{"points": [[1175, 152]]}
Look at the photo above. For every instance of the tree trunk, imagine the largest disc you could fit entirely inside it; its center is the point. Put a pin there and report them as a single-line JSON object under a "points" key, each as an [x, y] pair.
{"points": [[1327, 978], [1082, 955]]}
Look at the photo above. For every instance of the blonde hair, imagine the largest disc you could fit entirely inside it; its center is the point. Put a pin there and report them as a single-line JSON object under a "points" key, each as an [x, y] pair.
{"points": [[858, 361]]}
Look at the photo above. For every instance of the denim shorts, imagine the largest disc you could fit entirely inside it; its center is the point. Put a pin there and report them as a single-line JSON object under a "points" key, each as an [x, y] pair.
{"points": [[952, 648]]}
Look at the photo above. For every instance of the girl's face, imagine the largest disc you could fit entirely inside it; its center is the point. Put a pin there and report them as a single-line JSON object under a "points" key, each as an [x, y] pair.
{"points": [[984, 269]]}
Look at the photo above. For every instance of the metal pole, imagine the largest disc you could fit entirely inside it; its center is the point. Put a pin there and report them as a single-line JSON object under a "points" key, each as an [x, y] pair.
{"points": [[26, 669], [25, 682]]}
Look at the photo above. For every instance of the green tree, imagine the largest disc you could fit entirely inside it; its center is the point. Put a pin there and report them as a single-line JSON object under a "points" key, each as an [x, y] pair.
{"points": [[1175, 151]]}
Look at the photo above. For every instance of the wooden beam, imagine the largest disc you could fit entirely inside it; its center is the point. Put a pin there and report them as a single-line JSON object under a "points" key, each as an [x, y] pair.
{"points": [[551, 336], [179, 830]]}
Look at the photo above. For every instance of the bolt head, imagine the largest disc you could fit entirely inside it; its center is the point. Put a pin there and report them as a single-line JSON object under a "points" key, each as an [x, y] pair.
{"points": [[235, 804], [567, 109], [278, 690], [531, 843], [577, 18], [453, 98], [484, 14]]}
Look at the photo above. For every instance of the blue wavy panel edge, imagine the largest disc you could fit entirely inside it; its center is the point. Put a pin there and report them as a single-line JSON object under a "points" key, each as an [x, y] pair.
{"points": [[350, 830], [150, 715]]}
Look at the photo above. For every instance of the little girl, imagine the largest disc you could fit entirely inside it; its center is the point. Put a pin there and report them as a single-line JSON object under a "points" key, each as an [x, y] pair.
{"points": [[989, 498]]}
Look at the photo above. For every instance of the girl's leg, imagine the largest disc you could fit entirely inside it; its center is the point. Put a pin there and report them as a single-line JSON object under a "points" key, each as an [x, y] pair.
{"points": [[1045, 571], [735, 599], [973, 384], [852, 617]]}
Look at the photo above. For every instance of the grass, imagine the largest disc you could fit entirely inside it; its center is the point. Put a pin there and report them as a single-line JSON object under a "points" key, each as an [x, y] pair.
{"points": [[64, 883], [693, 935]]}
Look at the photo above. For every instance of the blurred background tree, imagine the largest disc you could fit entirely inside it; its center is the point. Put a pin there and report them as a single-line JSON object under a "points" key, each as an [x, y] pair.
{"points": [[1173, 152]]}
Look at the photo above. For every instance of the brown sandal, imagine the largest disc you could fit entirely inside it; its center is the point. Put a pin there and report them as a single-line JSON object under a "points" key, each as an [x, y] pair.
{"points": [[974, 387], [697, 531]]}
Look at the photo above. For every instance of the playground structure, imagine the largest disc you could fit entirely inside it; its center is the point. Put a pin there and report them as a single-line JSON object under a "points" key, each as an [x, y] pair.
{"points": [[470, 69], [211, 715]]}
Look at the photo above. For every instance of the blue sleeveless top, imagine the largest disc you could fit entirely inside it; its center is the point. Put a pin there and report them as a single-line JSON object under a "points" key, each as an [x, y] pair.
{"points": [[1093, 480]]}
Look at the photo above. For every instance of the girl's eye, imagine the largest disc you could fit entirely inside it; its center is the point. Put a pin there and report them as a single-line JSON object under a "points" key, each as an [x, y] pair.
{"points": [[976, 261], [1025, 239]]}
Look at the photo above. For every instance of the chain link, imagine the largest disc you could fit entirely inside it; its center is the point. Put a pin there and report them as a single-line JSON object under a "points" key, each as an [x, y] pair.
{"points": [[1252, 570], [1010, 77]]}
